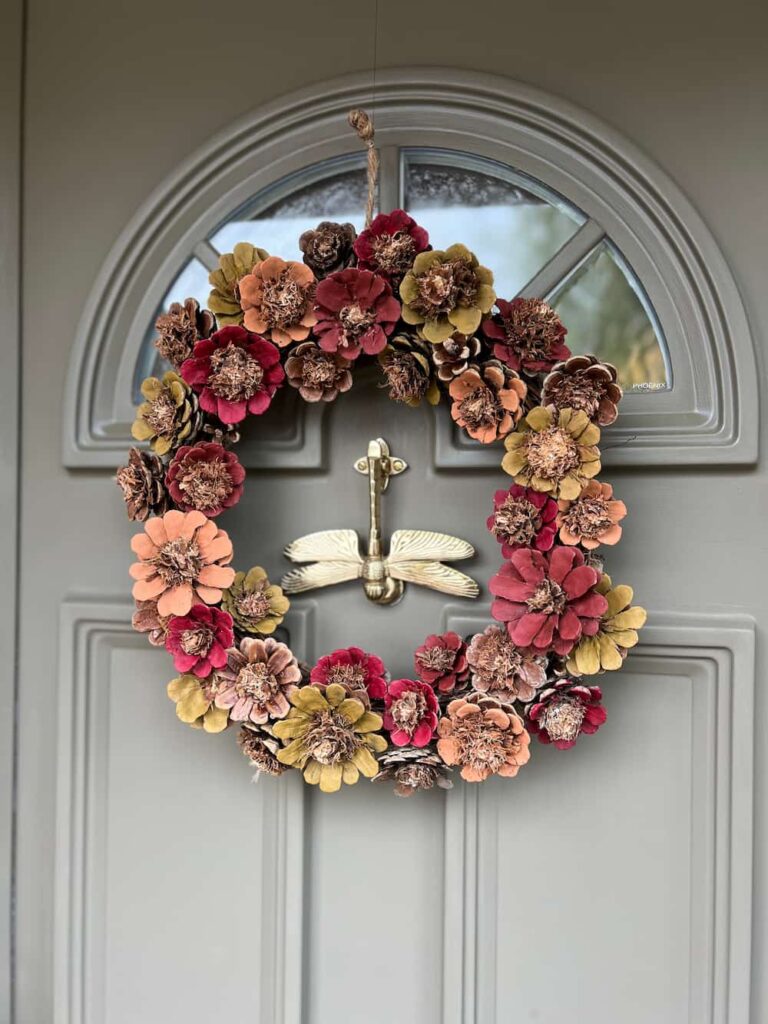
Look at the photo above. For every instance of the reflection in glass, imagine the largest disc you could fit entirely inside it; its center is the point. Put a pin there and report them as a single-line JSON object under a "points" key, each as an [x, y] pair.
{"points": [[277, 227], [606, 315], [512, 225]]}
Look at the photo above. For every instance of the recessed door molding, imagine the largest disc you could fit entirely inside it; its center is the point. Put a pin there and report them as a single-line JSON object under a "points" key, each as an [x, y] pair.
{"points": [[714, 657]]}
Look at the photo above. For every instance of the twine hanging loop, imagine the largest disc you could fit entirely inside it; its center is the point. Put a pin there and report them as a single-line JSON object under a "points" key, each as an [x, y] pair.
{"points": [[363, 125]]}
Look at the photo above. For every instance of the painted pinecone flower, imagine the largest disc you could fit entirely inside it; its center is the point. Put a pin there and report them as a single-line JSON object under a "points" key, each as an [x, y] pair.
{"points": [[235, 373], [411, 712], [362, 675], [255, 604], [585, 383], [412, 769], [318, 375], [562, 712], [441, 661], [277, 297], [259, 744], [328, 247], [356, 312], [549, 601], [487, 400], [179, 328], [407, 371], [224, 299], [205, 477], [591, 519], [199, 640], [616, 632], [258, 681], [523, 518], [147, 619], [553, 451], [502, 669], [528, 335], [168, 415], [454, 355], [447, 291], [390, 245], [194, 700], [484, 736], [183, 558], [330, 737], [143, 486]]}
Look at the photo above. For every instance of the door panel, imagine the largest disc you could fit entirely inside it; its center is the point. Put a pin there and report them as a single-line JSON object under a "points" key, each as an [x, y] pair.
{"points": [[153, 880], [606, 868]]}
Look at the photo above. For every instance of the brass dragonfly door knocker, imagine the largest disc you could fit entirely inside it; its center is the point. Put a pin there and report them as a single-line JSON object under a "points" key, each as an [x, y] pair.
{"points": [[415, 556]]}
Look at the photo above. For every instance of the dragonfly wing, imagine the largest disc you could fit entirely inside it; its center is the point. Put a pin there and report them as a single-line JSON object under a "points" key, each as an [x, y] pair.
{"points": [[321, 574], [427, 546], [434, 575], [326, 546]]}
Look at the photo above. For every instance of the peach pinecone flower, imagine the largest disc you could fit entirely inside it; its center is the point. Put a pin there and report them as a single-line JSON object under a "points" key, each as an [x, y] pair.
{"points": [[278, 300], [183, 558], [484, 736], [591, 519], [487, 400]]}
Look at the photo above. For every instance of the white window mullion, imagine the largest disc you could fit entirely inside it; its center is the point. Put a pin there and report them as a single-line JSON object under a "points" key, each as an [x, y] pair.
{"points": [[207, 254], [564, 262]]}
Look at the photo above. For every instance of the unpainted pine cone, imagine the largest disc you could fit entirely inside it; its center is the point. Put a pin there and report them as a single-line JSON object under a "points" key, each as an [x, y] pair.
{"points": [[408, 371], [413, 769], [142, 482], [453, 356], [584, 383], [260, 746], [328, 247], [183, 324]]}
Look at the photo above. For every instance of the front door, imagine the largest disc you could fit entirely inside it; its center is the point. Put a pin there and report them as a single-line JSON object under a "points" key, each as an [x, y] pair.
{"points": [[606, 883]]}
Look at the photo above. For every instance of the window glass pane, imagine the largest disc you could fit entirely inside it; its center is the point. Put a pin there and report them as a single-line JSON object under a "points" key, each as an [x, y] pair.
{"points": [[606, 313], [513, 225], [276, 224]]}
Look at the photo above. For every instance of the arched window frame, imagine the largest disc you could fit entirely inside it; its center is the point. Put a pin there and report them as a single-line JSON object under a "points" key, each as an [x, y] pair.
{"points": [[708, 416]]}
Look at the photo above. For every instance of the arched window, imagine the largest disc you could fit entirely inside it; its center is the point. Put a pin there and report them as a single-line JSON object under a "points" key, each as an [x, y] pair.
{"points": [[555, 204]]}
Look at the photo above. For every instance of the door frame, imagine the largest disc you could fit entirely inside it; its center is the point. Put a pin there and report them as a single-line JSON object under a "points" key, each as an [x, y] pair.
{"points": [[12, 29]]}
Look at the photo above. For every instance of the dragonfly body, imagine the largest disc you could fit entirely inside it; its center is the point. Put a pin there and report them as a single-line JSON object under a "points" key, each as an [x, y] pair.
{"points": [[414, 556]]}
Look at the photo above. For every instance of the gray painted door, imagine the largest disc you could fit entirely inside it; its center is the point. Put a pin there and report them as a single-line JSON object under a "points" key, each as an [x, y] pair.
{"points": [[609, 884]]}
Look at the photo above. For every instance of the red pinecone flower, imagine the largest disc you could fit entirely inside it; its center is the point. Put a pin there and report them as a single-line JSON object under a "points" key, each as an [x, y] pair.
{"points": [[354, 669], [199, 640], [441, 661], [411, 712], [548, 601], [564, 711], [523, 518], [205, 477], [528, 335], [234, 372], [356, 311], [390, 245]]}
